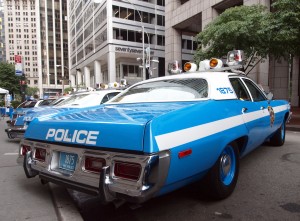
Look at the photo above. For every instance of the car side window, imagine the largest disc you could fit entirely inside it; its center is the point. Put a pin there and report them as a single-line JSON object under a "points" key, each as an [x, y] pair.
{"points": [[109, 96], [240, 89], [104, 99], [257, 94]]}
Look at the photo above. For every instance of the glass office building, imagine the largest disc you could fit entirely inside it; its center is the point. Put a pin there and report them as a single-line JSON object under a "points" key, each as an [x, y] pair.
{"points": [[106, 41]]}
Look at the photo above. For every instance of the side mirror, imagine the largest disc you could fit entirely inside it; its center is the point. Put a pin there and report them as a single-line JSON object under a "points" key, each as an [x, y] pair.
{"points": [[270, 96]]}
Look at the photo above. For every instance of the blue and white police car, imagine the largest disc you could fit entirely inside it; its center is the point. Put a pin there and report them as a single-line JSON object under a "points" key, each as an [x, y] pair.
{"points": [[158, 135]]}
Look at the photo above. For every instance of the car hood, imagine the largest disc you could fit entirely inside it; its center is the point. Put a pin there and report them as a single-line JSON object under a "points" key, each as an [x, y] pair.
{"points": [[113, 126]]}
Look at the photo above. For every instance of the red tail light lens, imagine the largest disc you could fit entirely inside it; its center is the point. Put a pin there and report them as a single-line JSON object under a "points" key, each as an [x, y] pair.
{"points": [[25, 149], [40, 154], [93, 164], [126, 170]]}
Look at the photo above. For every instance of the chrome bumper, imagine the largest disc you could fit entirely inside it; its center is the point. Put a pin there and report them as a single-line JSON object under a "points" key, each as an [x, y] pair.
{"points": [[106, 185], [13, 133], [289, 117]]}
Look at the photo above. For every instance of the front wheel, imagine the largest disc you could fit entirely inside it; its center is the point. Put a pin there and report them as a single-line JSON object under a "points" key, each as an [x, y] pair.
{"points": [[224, 174], [278, 138]]}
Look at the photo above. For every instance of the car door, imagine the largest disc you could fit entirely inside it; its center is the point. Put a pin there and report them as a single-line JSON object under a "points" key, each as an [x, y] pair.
{"points": [[253, 106], [266, 111]]}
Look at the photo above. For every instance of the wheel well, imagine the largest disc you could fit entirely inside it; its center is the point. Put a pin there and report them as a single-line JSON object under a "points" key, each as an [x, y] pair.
{"points": [[286, 116], [241, 142]]}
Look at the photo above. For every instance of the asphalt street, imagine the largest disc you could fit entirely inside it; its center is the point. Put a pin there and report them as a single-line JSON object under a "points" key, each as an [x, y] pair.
{"points": [[268, 189], [27, 199]]}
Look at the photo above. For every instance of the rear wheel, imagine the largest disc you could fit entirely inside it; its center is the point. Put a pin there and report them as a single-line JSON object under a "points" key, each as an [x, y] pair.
{"points": [[278, 138], [224, 174]]}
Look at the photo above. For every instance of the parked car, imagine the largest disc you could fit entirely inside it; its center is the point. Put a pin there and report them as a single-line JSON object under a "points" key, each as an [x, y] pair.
{"points": [[24, 107], [158, 135], [79, 100]]}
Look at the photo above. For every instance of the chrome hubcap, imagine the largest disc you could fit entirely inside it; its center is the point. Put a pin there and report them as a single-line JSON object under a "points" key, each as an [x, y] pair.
{"points": [[225, 164]]}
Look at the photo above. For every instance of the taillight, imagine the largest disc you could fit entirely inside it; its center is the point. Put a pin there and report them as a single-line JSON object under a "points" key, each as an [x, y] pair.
{"points": [[40, 154], [127, 170], [25, 149], [93, 164]]}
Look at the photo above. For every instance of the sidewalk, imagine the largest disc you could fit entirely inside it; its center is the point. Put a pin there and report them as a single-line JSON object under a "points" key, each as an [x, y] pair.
{"points": [[294, 124], [27, 199]]}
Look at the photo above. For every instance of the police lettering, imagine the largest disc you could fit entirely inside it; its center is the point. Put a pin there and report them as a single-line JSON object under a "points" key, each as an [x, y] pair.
{"points": [[78, 136]]}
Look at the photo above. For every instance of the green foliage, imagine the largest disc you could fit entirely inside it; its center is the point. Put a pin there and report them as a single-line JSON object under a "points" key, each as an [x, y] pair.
{"points": [[255, 30], [242, 27], [8, 78], [285, 27], [67, 90], [15, 103], [31, 91]]}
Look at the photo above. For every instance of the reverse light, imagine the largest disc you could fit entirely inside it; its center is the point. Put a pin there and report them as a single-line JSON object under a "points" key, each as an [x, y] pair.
{"points": [[40, 154], [25, 149], [93, 164], [127, 170]]}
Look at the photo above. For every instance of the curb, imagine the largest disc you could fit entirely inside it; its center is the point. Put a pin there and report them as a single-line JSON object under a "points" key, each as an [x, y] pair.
{"points": [[293, 128], [63, 204]]}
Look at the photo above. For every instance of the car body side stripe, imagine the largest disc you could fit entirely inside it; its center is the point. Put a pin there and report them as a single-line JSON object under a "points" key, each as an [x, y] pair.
{"points": [[180, 137]]}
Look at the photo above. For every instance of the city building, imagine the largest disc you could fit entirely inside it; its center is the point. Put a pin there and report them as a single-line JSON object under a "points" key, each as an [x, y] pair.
{"points": [[189, 17], [37, 30], [107, 40], [2, 34]]}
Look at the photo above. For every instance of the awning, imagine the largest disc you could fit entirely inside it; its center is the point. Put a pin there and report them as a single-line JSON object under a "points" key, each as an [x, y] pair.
{"points": [[3, 91]]}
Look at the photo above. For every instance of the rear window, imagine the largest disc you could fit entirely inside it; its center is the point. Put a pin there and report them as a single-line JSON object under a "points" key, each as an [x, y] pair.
{"points": [[166, 90], [27, 104]]}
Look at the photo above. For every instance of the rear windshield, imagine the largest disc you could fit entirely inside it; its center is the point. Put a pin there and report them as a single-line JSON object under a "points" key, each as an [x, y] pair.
{"points": [[73, 99], [166, 90], [27, 104]]}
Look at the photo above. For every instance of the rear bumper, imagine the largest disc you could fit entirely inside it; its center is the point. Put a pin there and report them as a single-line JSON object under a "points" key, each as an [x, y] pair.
{"points": [[15, 132], [106, 185]]}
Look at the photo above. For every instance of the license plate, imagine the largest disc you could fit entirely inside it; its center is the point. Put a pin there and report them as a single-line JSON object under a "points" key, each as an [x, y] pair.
{"points": [[67, 161]]}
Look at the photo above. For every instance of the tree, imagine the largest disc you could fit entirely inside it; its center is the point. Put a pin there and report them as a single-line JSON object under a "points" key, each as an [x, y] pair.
{"points": [[31, 91], [241, 27], [255, 30], [8, 78], [68, 90], [285, 28]]}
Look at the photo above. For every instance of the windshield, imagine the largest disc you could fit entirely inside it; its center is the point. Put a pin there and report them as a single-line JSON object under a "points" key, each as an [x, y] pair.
{"points": [[166, 90]]}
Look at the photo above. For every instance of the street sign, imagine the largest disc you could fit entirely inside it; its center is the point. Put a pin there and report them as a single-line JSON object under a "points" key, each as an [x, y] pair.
{"points": [[18, 65]]}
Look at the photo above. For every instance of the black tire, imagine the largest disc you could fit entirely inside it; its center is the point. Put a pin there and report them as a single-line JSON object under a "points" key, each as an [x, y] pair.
{"points": [[278, 138], [222, 178]]}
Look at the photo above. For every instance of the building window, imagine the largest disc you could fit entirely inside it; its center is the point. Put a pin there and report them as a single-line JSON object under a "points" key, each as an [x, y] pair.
{"points": [[160, 20], [89, 48], [131, 71], [161, 40]]}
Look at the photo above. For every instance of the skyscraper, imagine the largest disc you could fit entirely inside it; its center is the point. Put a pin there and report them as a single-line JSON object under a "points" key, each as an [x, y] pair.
{"points": [[109, 39], [37, 30], [2, 34]]}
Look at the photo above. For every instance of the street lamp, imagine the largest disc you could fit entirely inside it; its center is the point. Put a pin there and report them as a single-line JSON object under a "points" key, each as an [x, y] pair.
{"points": [[63, 78], [143, 40]]}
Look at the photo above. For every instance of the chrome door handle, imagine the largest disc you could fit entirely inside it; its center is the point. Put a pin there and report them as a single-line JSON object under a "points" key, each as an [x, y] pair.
{"points": [[244, 109]]}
